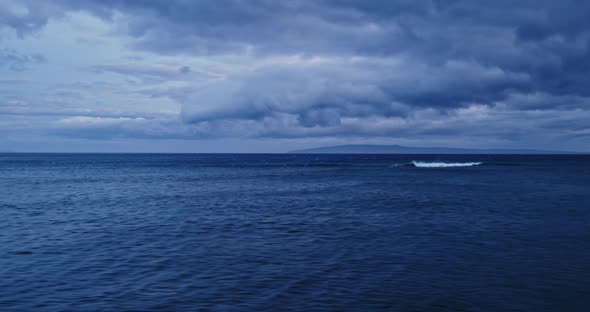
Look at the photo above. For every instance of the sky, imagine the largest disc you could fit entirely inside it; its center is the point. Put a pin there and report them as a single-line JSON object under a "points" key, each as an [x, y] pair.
{"points": [[273, 76]]}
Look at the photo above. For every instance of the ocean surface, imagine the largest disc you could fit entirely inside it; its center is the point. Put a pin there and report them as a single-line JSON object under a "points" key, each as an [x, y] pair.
{"points": [[229, 232]]}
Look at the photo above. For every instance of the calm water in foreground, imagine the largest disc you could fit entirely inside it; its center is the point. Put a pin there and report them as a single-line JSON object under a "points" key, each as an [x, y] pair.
{"points": [[294, 232]]}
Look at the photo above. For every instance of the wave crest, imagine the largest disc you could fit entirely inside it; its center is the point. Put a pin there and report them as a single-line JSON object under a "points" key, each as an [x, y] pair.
{"points": [[420, 164]]}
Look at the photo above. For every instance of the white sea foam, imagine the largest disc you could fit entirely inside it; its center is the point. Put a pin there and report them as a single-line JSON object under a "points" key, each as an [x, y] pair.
{"points": [[443, 164]]}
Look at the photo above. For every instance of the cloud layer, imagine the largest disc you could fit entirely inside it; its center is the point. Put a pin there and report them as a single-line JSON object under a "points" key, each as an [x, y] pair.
{"points": [[510, 73]]}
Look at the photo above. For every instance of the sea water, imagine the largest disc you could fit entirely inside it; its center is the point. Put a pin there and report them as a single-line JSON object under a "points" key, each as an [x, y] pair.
{"points": [[230, 232]]}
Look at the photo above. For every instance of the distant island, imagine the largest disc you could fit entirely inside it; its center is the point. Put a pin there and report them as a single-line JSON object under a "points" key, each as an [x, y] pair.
{"points": [[398, 149]]}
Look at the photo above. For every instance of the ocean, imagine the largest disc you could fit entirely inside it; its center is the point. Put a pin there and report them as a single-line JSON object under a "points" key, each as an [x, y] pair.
{"points": [[288, 232]]}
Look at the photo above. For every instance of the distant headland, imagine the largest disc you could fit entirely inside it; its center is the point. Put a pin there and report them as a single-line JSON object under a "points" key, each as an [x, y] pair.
{"points": [[398, 149]]}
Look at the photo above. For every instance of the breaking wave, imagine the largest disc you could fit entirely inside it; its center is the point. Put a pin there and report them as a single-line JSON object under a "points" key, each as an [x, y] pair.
{"points": [[420, 164]]}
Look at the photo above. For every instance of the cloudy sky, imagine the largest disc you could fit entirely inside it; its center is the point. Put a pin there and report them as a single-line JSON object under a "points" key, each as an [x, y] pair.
{"points": [[270, 76]]}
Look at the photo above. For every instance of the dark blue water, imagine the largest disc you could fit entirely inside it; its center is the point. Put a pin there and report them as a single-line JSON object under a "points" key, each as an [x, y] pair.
{"points": [[293, 232]]}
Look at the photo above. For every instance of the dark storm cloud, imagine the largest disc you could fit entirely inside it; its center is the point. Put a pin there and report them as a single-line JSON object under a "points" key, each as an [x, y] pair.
{"points": [[547, 40], [361, 60], [321, 93]]}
